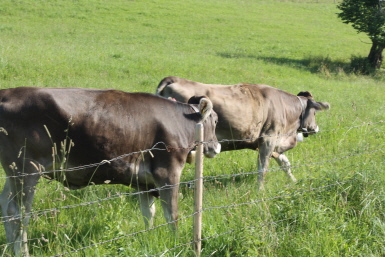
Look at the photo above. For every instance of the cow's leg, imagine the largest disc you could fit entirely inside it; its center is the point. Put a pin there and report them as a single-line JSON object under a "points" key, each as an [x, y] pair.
{"points": [[168, 180], [266, 148], [16, 203], [10, 211], [147, 206], [284, 163]]}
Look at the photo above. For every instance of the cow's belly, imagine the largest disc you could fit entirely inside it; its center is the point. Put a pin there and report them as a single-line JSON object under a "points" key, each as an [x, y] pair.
{"points": [[126, 173], [286, 143], [238, 137]]}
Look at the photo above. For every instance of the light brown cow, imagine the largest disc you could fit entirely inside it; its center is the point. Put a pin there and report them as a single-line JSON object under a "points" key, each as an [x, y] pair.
{"points": [[104, 124], [253, 116]]}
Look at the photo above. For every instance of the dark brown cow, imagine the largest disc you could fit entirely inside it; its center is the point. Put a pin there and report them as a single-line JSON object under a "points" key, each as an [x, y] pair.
{"points": [[259, 116], [103, 125]]}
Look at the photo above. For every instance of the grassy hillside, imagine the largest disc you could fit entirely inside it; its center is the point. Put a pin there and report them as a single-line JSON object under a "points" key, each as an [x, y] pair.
{"points": [[337, 206]]}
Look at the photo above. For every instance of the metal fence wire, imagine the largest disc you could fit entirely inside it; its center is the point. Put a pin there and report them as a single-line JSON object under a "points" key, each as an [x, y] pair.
{"points": [[161, 146]]}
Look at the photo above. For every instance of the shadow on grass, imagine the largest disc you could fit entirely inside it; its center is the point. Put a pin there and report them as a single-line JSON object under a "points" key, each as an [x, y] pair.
{"points": [[315, 64]]}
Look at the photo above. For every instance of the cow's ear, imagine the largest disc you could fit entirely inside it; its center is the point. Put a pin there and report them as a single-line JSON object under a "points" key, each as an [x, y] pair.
{"points": [[323, 106], [205, 107], [319, 106], [305, 94]]}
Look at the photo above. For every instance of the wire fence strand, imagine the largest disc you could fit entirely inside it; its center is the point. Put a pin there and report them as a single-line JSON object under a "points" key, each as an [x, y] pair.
{"points": [[169, 148], [190, 182], [203, 210], [161, 146]]}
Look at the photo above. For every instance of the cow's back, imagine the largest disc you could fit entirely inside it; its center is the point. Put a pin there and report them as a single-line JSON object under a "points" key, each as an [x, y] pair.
{"points": [[242, 109]]}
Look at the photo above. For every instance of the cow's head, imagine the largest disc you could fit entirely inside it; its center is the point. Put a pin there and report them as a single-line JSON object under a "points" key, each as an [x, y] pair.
{"points": [[209, 118], [308, 123]]}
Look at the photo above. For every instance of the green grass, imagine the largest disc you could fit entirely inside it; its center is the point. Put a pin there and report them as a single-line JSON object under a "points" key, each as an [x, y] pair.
{"points": [[293, 45]]}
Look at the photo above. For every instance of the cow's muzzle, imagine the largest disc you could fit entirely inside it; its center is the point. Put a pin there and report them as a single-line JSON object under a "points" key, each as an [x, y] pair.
{"points": [[306, 132], [303, 131], [213, 149], [210, 152]]}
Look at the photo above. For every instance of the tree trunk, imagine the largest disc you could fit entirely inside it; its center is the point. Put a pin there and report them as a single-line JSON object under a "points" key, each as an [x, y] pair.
{"points": [[375, 56]]}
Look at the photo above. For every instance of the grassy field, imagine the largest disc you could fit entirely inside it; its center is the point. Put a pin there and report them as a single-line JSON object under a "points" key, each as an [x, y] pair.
{"points": [[336, 208]]}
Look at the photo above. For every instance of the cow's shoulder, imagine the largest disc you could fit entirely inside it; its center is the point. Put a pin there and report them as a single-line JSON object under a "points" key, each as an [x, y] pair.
{"points": [[24, 100]]}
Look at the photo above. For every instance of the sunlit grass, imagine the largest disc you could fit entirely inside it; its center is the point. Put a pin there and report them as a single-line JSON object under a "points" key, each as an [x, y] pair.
{"points": [[335, 209]]}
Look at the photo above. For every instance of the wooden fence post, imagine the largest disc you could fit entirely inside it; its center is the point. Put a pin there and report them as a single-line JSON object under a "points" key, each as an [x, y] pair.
{"points": [[198, 193]]}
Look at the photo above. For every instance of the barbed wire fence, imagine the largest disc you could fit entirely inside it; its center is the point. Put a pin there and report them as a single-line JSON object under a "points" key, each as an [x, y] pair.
{"points": [[164, 147]]}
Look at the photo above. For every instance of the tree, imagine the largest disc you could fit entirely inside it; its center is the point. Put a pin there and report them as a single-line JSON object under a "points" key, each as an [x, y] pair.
{"points": [[367, 16]]}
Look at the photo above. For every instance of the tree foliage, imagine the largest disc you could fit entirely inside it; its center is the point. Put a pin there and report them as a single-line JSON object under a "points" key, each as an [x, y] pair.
{"points": [[367, 16]]}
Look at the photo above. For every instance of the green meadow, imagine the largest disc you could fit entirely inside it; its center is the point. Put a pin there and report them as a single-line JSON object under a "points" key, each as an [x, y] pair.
{"points": [[337, 206]]}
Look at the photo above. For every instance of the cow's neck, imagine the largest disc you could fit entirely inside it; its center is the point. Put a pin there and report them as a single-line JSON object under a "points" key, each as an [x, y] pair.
{"points": [[301, 118]]}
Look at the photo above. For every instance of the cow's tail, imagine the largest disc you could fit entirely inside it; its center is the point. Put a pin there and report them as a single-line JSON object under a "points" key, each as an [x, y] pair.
{"points": [[164, 83]]}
